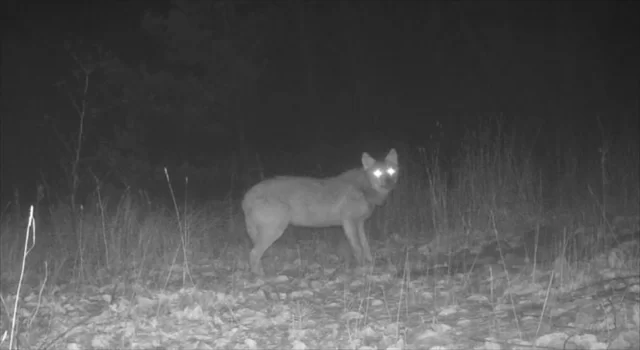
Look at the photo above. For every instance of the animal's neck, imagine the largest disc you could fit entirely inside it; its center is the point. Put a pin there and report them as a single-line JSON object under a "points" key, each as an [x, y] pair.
{"points": [[374, 196], [358, 178]]}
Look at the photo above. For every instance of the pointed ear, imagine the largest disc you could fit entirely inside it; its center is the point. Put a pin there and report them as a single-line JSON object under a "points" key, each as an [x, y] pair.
{"points": [[392, 156], [367, 161]]}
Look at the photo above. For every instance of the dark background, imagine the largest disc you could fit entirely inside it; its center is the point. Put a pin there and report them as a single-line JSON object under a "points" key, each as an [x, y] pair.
{"points": [[304, 87]]}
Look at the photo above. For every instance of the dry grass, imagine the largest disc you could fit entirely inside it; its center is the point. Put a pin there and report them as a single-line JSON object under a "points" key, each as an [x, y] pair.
{"points": [[493, 188]]}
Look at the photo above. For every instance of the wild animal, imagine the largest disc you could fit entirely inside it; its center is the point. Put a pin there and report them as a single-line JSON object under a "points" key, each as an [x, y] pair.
{"points": [[346, 200]]}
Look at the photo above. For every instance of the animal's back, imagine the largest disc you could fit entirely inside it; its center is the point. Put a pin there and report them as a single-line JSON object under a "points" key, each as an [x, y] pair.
{"points": [[309, 201]]}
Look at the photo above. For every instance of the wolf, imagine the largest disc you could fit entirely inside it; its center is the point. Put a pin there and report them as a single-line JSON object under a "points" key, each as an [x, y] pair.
{"points": [[345, 200]]}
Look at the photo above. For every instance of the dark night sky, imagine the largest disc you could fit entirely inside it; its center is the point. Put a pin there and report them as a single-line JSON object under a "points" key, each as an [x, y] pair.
{"points": [[411, 63]]}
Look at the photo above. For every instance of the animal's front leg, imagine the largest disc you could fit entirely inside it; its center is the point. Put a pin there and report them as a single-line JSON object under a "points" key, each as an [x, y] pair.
{"points": [[366, 250], [351, 231]]}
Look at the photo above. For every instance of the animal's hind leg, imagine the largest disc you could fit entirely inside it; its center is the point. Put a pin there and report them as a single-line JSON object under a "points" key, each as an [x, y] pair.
{"points": [[366, 250], [254, 233], [263, 235]]}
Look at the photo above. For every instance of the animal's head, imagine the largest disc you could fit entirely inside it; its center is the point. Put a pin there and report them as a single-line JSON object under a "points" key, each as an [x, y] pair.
{"points": [[383, 175]]}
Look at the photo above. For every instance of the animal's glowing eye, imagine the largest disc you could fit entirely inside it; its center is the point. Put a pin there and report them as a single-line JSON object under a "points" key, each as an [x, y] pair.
{"points": [[377, 173], [391, 171]]}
